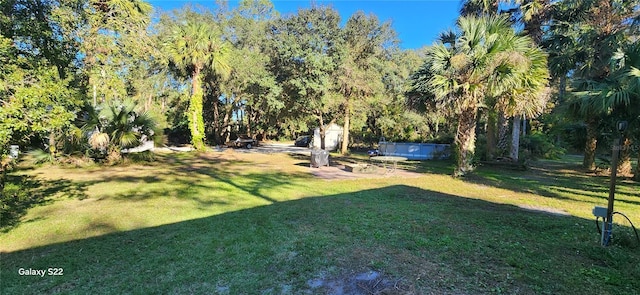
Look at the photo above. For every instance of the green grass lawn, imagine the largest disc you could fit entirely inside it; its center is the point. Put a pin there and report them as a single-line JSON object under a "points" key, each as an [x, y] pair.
{"points": [[232, 223]]}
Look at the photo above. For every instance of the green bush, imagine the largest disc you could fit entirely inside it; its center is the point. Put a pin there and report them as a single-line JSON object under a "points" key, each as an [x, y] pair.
{"points": [[481, 148], [142, 157], [117, 125], [537, 145], [40, 156]]}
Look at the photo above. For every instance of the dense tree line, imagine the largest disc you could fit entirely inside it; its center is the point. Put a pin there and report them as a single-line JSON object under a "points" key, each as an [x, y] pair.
{"points": [[91, 77], [590, 52]]}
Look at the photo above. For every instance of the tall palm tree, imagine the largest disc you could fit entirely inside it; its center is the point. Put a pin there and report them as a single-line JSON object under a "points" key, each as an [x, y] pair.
{"points": [[194, 48], [487, 59], [530, 96], [625, 92], [583, 38], [532, 15], [618, 95]]}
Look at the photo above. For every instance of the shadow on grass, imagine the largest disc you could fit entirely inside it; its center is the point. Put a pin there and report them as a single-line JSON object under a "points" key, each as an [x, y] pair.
{"points": [[23, 192], [188, 174], [178, 176], [555, 179], [427, 242], [239, 174], [559, 179]]}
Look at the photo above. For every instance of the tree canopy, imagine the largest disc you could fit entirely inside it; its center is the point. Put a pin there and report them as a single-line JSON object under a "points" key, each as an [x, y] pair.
{"points": [[208, 75]]}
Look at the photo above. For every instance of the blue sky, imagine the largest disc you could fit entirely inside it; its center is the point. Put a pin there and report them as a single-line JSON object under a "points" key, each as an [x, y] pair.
{"points": [[417, 22]]}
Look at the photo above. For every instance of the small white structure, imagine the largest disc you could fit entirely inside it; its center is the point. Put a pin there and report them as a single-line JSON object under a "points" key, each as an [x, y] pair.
{"points": [[14, 151], [332, 140]]}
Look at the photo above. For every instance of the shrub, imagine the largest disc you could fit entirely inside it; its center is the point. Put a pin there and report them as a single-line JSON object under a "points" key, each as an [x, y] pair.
{"points": [[537, 145], [115, 126]]}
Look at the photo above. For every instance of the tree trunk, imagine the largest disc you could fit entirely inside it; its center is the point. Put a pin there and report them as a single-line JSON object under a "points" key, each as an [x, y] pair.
{"points": [[515, 138], [3, 175], [562, 89], [195, 112], [52, 143], [4, 166], [636, 176], [216, 122], [226, 132], [589, 161], [491, 135], [104, 78], [466, 140], [533, 26], [95, 94], [241, 116], [624, 163], [147, 106], [249, 116], [322, 133], [503, 134], [345, 129]]}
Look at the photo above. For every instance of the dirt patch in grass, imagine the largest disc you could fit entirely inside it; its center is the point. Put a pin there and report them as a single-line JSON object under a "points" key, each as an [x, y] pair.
{"points": [[369, 282], [340, 172]]}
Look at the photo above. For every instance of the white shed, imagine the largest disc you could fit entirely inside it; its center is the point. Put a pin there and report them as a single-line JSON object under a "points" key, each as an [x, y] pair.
{"points": [[333, 137]]}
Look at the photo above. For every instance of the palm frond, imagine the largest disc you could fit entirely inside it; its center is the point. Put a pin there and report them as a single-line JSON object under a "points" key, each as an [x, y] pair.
{"points": [[128, 139], [99, 140]]}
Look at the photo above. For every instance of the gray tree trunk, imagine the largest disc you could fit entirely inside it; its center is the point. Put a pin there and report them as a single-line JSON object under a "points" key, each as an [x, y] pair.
{"points": [[636, 176], [624, 164], [466, 141], [491, 135], [515, 138], [345, 129], [589, 161], [503, 134], [95, 95], [322, 130]]}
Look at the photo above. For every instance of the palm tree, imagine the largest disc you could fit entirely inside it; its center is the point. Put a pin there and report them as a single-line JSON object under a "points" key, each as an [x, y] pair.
{"points": [[531, 14], [114, 126], [530, 96], [625, 92], [618, 95], [487, 59], [583, 38], [479, 7], [195, 48]]}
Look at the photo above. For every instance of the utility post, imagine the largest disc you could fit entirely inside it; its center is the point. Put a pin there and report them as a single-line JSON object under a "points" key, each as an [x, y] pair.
{"points": [[608, 225]]}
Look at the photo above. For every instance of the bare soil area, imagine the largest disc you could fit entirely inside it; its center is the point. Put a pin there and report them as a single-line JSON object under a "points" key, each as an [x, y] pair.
{"points": [[339, 172]]}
